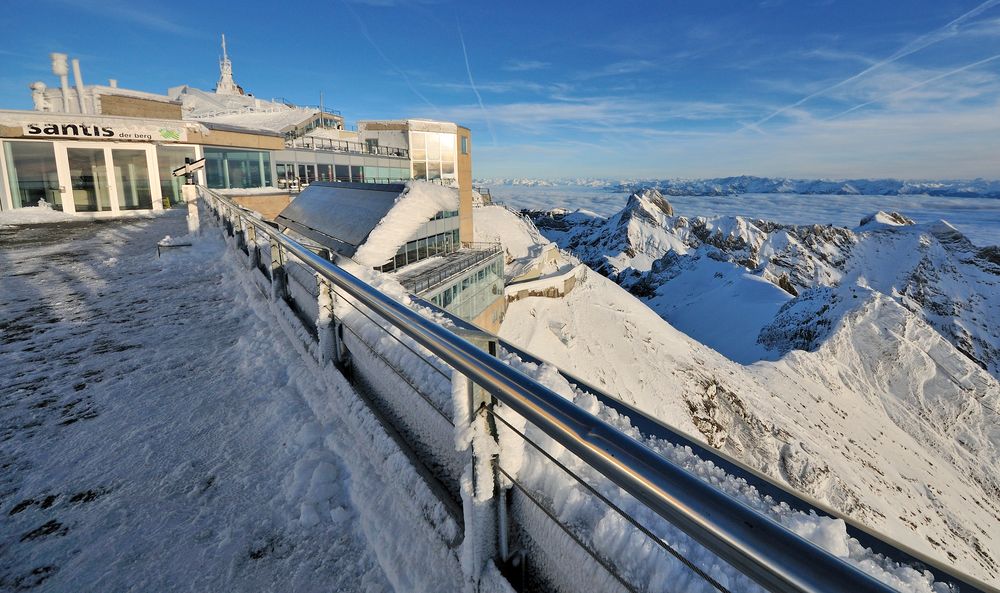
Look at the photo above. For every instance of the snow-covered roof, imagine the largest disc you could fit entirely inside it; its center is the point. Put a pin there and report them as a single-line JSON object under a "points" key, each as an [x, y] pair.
{"points": [[366, 221], [276, 120], [340, 216]]}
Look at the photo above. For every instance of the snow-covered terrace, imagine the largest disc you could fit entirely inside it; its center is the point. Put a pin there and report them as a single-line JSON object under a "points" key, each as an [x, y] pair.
{"points": [[159, 435]]}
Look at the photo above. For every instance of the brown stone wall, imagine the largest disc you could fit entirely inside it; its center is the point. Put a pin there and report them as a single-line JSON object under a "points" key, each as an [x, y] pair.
{"points": [[137, 107], [269, 206]]}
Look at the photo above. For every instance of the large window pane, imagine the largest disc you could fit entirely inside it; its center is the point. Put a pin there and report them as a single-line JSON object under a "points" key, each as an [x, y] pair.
{"points": [[169, 158], [237, 168], [132, 177], [420, 170], [88, 179], [31, 170]]}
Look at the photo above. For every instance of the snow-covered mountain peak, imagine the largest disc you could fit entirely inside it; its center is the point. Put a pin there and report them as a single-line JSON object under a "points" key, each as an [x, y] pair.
{"points": [[882, 218]]}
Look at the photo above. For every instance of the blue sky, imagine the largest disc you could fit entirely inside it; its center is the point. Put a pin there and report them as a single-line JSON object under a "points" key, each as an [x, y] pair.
{"points": [[659, 89]]}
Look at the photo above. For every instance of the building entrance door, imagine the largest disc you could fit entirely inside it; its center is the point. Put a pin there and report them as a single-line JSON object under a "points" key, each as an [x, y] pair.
{"points": [[108, 177], [88, 180]]}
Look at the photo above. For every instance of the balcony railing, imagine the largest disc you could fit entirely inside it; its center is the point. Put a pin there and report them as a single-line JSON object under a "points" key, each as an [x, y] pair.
{"points": [[332, 145]]}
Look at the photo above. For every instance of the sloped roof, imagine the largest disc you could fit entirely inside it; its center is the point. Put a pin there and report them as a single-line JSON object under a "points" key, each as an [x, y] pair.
{"points": [[339, 216]]}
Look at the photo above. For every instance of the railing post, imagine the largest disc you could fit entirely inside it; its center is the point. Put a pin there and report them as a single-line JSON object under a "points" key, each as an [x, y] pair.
{"points": [[252, 249], [239, 232], [327, 325], [484, 503], [279, 285]]}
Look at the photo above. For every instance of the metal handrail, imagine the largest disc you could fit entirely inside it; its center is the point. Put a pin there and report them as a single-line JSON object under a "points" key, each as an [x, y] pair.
{"points": [[754, 544], [335, 145]]}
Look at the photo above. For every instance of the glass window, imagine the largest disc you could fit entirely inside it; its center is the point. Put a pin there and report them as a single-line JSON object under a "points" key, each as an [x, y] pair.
{"points": [[31, 170], [433, 171], [88, 179], [343, 172], [447, 168], [237, 168], [417, 141], [356, 173], [411, 252], [465, 145], [132, 177], [169, 158], [433, 149], [447, 146], [419, 170], [422, 248]]}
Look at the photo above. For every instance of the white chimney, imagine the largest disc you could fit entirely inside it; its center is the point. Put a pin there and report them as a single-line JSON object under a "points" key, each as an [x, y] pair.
{"points": [[61, 69], [113, 83], [79, 84]]}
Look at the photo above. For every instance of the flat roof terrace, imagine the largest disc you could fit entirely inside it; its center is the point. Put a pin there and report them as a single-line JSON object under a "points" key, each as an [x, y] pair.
{"points": [[435, 271]]}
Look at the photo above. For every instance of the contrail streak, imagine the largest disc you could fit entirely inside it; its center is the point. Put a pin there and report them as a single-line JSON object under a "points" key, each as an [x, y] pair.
{"points": [[912, 47], [479, 98], [406, 79], [918, 85]]}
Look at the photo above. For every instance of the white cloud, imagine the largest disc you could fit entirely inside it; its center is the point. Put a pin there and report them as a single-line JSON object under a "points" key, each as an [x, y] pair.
{"points": [[525, 65]]}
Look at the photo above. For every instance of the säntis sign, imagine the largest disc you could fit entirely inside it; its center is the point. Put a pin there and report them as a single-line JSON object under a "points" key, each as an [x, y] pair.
{"points": [[103, 132]]}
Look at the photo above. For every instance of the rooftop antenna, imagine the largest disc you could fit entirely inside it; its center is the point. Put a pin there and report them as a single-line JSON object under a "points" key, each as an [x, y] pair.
{"points": [[226, 85]]}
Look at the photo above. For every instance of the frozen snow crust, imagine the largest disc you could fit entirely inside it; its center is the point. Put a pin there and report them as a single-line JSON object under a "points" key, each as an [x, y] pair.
{"points": [[161, 433]]}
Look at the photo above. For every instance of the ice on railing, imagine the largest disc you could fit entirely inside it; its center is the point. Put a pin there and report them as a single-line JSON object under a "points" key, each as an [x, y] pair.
{"points": [[635, 556]]}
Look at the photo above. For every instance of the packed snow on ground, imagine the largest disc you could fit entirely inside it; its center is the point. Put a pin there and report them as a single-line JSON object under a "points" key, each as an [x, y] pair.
{"points": [[34, 215], [977, 217], [418, 203], [162, 433]]}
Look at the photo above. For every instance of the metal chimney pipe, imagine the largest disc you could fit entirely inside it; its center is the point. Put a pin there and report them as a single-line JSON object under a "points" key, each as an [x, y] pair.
{"points": [[60, 69], [79, 84]]}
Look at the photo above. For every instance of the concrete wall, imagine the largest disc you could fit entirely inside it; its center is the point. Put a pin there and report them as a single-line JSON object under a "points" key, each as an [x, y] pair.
{"points": [[492, 316], [138, 107], [464, 170]]}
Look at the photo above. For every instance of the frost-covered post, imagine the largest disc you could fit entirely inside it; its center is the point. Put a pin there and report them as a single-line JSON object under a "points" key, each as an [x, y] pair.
{"points": [[475, 432], [278, 286], [239, 232], [327, 324], [252, 250]]}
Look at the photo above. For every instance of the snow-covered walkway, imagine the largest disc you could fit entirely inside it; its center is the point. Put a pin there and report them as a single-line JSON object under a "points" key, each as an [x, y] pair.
{"points": [[155, 433]]}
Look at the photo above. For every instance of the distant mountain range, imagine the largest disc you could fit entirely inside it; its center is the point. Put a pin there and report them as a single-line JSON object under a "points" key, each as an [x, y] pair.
{"points": [[749, 184]]}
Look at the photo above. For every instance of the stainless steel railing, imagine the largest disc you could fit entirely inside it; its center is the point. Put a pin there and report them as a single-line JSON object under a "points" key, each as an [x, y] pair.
{"points": [[759, 547]]}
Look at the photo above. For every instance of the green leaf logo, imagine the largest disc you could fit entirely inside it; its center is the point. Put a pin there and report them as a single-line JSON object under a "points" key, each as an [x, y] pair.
{"points": [[170, 134]]}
